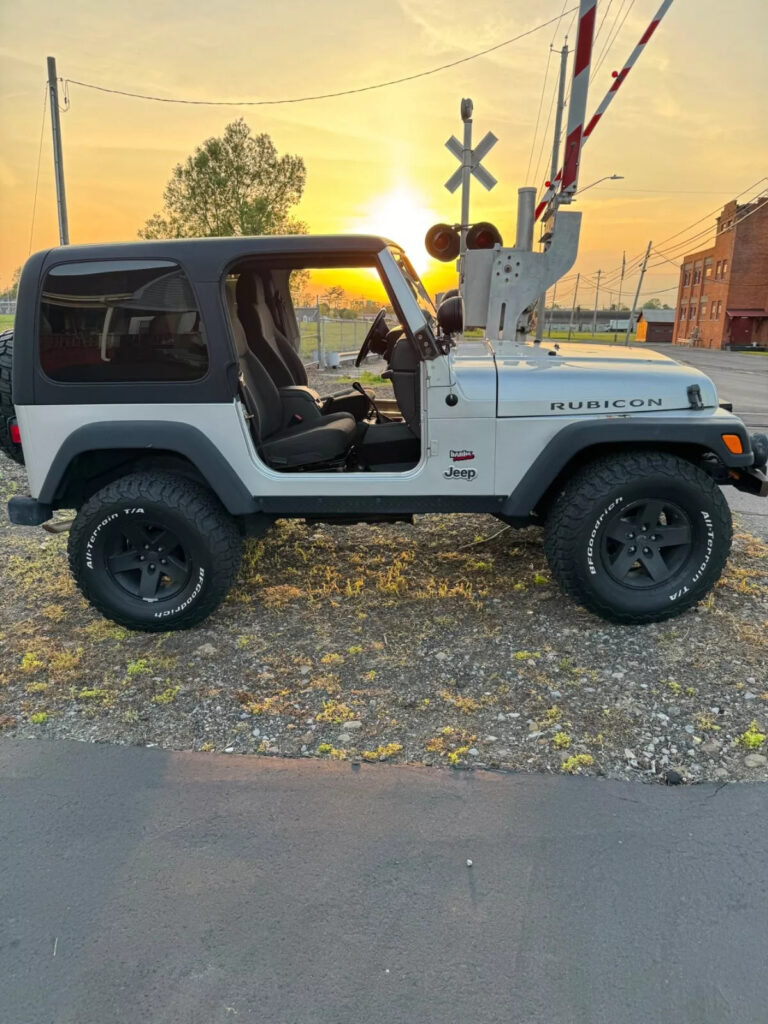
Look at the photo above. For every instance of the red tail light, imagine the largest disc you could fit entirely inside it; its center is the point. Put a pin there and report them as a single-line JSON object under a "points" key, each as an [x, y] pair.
{"points": [[15, 433]]}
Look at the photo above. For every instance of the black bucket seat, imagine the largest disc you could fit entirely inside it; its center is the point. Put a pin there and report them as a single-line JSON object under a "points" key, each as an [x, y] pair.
{"points": [[285, 440], [258, 310]]}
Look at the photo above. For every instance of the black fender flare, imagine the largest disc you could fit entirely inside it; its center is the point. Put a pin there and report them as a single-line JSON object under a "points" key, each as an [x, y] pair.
{"points": [[148, 436], [580, 439]]}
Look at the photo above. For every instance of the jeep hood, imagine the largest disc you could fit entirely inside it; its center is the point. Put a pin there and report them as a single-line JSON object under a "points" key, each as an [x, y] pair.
{"points": [[588, 380]]}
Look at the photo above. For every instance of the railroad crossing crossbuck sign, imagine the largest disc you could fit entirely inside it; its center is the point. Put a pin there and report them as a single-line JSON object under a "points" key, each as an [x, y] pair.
{"points": [[475, 155]]}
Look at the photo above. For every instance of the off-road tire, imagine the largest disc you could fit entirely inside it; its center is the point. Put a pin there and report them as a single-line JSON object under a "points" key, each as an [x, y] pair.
{"points": [[590, 511], [150, 506], [7, 412]]}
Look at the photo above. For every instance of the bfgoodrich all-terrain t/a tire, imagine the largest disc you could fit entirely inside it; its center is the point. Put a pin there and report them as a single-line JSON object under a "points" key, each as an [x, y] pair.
{"points": [[638, 537], [154, 552]]}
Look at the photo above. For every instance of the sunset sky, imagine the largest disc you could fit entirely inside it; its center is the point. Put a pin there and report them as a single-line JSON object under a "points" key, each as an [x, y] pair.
{"points": [[687, 129]]}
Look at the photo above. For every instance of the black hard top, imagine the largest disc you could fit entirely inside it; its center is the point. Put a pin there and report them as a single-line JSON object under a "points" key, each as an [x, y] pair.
{"points": [[218, 251]]}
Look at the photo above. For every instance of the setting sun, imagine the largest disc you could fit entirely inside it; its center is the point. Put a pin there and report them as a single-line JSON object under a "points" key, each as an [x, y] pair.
{"points": [[403, 216]]}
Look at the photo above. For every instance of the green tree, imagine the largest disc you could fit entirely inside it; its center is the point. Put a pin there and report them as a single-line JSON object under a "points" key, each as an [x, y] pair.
{"points": [[654, 304], [9, 293], [235, 184]]}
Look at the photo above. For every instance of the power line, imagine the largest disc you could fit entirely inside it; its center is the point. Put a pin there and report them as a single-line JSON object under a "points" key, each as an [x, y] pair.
{"points": [[319, 96], [37, 176], [608, 35], [543, 89], [608, 48], [682, 246], [634, 259], [667, 191], [711, 213], [538, 115], [542, 159]]}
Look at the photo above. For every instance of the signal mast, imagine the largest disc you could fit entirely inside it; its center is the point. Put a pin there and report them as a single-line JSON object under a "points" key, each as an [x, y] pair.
{"points": [[500, 286]]}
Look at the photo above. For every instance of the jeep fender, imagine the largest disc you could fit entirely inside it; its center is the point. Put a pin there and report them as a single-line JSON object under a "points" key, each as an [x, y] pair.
{"points": [[594, 438], [148, 436]]}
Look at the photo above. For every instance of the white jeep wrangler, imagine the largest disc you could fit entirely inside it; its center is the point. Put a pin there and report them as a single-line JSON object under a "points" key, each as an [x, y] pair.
{"points": [[157, 389]]}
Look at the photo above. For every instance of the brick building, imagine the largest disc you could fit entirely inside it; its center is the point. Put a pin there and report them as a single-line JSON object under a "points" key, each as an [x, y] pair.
{"points": [[723, 290]]}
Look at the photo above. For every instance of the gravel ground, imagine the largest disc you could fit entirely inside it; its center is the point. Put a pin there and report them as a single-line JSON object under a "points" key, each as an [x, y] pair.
{"points": [[440, 643]]}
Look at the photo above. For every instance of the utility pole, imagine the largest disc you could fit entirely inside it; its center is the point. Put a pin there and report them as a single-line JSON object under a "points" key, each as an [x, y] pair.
{"points": [[573, 307], [554, 167], [552, 310], [637, 293], [466, 170], [594, 314], [58, 162], [621, 279]]}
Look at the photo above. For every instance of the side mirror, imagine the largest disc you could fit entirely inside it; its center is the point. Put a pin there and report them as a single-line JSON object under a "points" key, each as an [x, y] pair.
{"points": [[450, 315]]}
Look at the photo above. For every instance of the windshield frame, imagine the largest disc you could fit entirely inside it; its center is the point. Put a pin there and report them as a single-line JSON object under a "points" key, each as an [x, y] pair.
{"points": [[418, 291]]}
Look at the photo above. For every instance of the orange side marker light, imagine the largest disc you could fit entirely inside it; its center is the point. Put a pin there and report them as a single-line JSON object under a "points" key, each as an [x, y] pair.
{"points": [[733, 443]]}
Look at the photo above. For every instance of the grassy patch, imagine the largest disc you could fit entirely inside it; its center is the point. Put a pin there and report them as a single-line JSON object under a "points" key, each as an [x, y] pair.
{"points": [[752, 738]]}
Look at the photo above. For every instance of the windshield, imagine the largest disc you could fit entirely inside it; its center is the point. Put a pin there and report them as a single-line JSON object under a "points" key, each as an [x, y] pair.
{"points": [[417, 289]]}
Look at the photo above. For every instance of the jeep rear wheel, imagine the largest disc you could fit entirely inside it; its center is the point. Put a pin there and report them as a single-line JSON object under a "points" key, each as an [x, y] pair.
{"points": [[154, 552], [639, 537], [7, 412]]}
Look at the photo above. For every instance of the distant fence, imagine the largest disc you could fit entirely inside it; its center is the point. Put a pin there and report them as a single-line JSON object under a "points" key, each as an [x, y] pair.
{"points": [[8, 306], [330, 342]]}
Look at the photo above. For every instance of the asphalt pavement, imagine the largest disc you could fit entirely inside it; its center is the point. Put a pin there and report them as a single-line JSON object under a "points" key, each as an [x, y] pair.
{"points": [[148, 886], [740, 378]]}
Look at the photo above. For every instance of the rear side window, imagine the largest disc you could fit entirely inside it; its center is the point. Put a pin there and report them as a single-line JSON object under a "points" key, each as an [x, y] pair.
{"points": [[120, 320]]}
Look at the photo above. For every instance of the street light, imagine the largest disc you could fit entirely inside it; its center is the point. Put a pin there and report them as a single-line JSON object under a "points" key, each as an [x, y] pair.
{"points": [[608, 177]]}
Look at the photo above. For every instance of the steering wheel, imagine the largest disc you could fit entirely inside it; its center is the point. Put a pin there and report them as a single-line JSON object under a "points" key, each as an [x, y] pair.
{"points": [[377, 331]]}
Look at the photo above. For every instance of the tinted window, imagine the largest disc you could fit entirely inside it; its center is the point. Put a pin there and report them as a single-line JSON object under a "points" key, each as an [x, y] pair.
{"points": [[120, 320]]}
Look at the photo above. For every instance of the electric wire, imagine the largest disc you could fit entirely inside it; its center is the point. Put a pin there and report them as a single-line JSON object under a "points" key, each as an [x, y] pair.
{"points": [[607, 50], [325, 95], [686, 242], [599, 31], [541, 162], [37, 175], [633, 260], [538, 116], [543, 89]]}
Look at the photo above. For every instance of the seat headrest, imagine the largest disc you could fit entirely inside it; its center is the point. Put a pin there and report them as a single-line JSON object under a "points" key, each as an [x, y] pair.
{"points": [[268, 325], [241, 342]]}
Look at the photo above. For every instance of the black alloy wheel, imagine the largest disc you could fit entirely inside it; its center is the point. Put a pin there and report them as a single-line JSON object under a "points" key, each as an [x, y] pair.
{"points": [[646, 542], [147, 560]]}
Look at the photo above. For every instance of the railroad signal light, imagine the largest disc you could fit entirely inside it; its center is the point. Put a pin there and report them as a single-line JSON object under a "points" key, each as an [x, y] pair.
{"points": [[483, 236], [443, 242]]}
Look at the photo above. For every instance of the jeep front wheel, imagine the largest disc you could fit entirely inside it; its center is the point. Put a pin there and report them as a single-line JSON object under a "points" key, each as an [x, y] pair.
{"points": [[154, 552], [638, 537]]}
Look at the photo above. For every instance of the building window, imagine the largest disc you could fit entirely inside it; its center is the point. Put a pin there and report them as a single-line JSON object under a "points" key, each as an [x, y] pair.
{"points": [[120, 320], [717, 269], [703, 309], [724, 268], [682, 313], [697, 275], [692, 313], [686, 276]]}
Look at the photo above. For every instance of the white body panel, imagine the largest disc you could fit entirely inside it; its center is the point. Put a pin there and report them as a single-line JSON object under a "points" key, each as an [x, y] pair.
{"points": [[482, 445], [586, 380]]}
